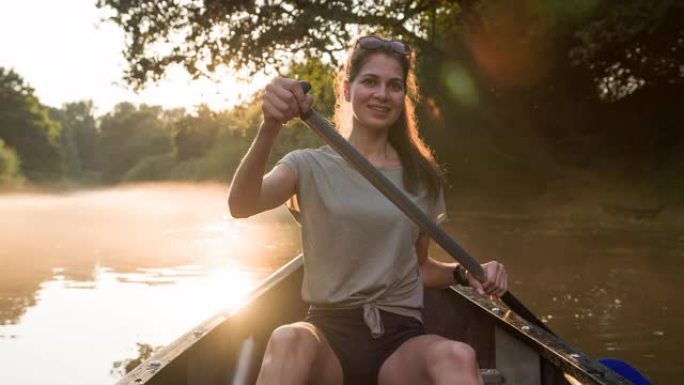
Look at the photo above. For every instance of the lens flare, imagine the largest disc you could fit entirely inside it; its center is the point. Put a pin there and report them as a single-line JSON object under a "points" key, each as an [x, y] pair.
{"points": [[460, 84]]}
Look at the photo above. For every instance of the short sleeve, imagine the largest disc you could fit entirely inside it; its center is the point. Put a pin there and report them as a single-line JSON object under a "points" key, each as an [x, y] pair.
{"points": [[292, 160], [439, 207]]}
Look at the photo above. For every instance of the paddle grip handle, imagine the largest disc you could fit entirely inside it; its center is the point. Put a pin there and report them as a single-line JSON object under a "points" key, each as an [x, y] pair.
{"points": [[306, 86]]}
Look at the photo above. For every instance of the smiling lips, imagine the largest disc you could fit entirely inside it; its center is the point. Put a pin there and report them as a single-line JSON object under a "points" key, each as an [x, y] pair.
{"points": [[382, 109]]}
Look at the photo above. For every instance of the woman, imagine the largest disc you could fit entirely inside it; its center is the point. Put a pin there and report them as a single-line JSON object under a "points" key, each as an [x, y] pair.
{"points": [[365, 263]]}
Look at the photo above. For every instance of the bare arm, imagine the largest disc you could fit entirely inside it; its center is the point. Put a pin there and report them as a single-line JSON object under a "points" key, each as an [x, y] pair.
{"points": [[252, 192], [439, 275], [435, 274]]}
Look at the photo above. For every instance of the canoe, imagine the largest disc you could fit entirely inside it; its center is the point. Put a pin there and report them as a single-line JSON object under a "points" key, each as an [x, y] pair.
{"points": [[227, 348]]}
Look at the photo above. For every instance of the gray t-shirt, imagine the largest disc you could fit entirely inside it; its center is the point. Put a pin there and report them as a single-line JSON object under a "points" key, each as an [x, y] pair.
{"points": [[359, 249]]}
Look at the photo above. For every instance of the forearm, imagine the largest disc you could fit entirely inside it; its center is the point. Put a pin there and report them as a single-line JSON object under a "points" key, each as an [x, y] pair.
{"points": [[245, 189], [436, 274]]}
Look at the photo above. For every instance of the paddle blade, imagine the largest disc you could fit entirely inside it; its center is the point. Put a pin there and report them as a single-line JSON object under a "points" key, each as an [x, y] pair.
{"points": [[625, 370]]}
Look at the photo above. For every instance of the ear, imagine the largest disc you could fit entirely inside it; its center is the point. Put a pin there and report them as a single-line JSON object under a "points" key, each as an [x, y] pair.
{"points": [[346, 90]]}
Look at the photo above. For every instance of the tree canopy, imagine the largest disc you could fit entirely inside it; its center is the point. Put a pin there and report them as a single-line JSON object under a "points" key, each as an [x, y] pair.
{"points": [[9, 165], [623, 43], [634, 43], [26, 127], [201, 35], [127, 135]]}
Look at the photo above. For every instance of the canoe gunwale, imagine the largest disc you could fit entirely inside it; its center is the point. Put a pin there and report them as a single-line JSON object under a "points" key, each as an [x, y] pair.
{"points": [[552, 348], [148, 368]]}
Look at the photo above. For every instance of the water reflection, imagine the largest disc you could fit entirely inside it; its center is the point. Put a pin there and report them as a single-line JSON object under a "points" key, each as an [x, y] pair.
{"points": [[610, 287], [121, 368], [86, 276]]}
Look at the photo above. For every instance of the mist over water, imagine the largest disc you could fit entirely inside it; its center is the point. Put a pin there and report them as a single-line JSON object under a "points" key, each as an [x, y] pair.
{"points": [[88, 275]]}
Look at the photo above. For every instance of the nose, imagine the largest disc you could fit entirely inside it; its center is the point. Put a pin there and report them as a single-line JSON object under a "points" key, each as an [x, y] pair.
{"points": [[381, 92]]}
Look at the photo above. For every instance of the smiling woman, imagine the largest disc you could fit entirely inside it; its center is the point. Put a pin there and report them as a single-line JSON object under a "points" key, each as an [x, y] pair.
{"points": [[366, 263]]}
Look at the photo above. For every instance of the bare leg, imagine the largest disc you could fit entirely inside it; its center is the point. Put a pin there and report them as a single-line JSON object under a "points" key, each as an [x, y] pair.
{"points": [[299, 354], [433, 360]]}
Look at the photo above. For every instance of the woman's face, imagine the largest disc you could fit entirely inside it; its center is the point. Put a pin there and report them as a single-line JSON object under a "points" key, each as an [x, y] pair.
{"points": [[377, 93]]}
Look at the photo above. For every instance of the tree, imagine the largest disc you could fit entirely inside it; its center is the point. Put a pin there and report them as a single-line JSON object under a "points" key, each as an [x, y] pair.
{"points": [[623, 43], [9, 165], [80, 118], [200, 36], [194, 135], [631, 44], [127, 135], [506, 85], [78, 138], [320, 75], [26, 127], [72, 163]]}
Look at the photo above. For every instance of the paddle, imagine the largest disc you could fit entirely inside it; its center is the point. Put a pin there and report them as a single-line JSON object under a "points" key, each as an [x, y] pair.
{"points": [[387, 188]]}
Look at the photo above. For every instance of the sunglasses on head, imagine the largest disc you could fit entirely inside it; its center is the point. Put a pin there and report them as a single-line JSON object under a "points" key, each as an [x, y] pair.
{"points": [[374, 42]]}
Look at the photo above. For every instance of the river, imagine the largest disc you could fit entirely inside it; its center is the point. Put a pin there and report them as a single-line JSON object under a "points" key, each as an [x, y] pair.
{"points": [[91, 278]]}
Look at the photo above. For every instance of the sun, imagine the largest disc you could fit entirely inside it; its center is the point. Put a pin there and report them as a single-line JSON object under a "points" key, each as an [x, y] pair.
{"points": [[228, 89]]}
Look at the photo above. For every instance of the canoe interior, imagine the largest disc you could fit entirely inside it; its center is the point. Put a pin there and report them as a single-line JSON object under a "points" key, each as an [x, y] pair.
{"points": [[227, 348]]}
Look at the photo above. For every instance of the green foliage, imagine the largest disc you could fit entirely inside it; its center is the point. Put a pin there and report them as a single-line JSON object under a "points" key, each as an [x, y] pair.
{"points": [[9, 166], [151, 168], [26, 127], [321, 76], [509, 88], [194, 135], [218, 164], [242, 121], [293, 136], [129, 134], [80, 118], [251, 34], [632, 44], [78, 137]]}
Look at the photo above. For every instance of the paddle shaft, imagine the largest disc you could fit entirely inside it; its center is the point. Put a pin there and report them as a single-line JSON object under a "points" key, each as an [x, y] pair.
{"points": [[390, 190]]}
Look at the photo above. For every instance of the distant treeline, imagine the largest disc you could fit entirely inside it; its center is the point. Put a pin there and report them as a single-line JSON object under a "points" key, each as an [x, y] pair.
{"points": [[71, 146], [519, 98]]}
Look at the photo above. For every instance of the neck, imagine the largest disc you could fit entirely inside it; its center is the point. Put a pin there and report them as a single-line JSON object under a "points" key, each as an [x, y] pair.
{"points": [[372, 144]]}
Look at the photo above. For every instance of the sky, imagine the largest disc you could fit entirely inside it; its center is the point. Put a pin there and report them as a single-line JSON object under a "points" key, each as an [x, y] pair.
{"points": [[66, 53]]}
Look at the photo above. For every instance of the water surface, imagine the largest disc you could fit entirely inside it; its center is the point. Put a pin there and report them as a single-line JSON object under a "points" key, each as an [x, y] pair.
{"points": [[89, 277]]}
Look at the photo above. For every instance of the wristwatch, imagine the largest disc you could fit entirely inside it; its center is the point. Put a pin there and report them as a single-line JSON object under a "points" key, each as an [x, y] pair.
{"points": [[461, 275]]}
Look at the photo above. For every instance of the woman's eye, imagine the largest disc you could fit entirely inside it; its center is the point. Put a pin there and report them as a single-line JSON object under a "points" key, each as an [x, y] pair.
{"points": [[396, 87], [369, 82]]}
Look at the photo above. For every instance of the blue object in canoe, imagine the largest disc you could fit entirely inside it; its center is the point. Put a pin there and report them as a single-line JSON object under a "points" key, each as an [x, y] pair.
{"points": [[625, 370]]}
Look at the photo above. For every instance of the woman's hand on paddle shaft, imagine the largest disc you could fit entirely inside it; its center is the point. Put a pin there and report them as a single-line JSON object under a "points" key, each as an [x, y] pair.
{"points": [[496, 282], [283, 100]]}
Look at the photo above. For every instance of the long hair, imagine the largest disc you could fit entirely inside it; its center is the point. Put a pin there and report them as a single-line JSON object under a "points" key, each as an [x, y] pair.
{"points": [[420, 169]]}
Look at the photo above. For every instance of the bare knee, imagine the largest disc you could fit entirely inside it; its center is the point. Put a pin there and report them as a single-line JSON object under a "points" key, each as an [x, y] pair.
{"points": [[293, 338], [290, 355], [453, 356], [462, 353]]}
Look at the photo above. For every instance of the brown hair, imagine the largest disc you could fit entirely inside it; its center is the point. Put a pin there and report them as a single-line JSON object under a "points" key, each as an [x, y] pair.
{"points": [[420, 168]]}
